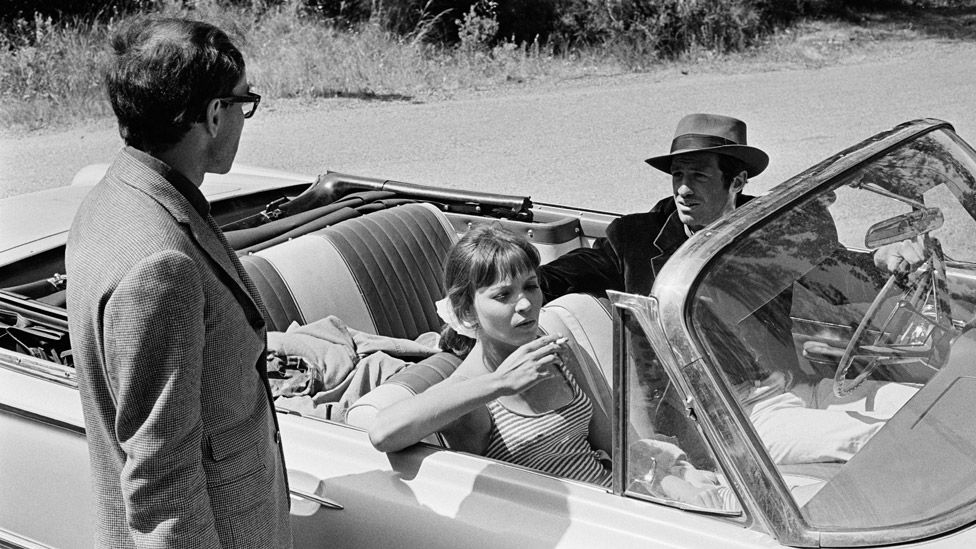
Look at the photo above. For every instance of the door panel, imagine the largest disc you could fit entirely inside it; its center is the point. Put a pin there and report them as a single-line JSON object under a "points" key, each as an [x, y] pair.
{"points": [[44, 465], [427, 497]]}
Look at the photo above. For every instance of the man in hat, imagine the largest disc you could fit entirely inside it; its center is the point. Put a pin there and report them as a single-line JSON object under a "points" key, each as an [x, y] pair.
{"points": [[709, 163]]}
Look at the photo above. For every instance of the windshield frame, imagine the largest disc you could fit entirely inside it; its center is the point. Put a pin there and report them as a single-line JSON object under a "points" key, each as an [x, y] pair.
{"points": [[764, 492]]}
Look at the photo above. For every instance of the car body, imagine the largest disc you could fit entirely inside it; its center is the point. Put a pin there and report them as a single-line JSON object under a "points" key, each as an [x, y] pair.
{"points": [[810, 241]]}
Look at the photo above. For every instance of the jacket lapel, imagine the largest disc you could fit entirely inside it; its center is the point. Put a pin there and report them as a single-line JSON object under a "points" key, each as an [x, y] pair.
{"points": [[205, 233], [668, 239], [208, 236], [672, 235]]}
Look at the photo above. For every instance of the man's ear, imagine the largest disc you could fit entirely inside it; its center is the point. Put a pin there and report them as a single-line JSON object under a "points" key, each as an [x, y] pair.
{"points": [[212, 119], [738, 182]]}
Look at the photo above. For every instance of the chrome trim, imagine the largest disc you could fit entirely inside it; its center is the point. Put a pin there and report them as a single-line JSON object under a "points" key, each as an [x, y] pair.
{"points": [[54, 317], [641, 307], [38, 368], [11, 540], [324, 502], [619, 418], [33, 416]]}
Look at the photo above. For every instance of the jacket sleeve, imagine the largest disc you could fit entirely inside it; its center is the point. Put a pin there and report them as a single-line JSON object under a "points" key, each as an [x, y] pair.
{"points": [[154, 344], [583, 270]]}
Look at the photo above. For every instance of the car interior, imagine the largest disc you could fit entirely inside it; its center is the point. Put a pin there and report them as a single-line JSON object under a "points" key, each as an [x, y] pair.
{"points": [[381, 274], [372, 258], [371, 253]]}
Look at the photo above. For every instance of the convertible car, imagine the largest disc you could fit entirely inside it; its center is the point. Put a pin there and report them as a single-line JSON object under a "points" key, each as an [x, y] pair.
{"points": [[778, 387]]}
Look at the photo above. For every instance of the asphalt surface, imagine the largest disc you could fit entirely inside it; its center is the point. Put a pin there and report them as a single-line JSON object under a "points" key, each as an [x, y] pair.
{"points": [[580, 143]]}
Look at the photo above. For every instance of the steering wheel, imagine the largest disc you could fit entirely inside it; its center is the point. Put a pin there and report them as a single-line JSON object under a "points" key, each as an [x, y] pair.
{"points": [[917, 329]]}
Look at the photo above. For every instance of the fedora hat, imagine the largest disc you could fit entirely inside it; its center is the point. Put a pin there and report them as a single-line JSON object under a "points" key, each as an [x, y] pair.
{"points": [[713, 133]]}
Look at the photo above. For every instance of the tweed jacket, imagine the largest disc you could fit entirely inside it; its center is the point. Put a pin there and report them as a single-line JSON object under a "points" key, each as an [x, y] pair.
{"points": [[627, 260], [169, 342]]}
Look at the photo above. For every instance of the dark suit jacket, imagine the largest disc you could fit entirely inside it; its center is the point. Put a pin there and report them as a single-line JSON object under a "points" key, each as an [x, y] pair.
{"points": [[635, 250], [169, 343], [627, 260]]}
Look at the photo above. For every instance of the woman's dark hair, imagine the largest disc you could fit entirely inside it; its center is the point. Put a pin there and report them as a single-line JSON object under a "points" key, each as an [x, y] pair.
{"points": [[162, 74], [484, 255]]}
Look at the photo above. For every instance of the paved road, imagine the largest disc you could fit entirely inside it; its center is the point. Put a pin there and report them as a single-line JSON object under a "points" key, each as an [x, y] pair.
{"points": [[581, 143]]}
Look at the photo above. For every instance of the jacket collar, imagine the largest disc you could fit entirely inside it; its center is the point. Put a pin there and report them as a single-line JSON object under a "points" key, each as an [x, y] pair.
{"points": [[673, 234], [668, 239], [202, 228], [179, 181]]}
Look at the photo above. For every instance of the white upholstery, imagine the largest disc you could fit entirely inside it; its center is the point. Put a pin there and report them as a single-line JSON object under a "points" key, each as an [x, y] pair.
{"points": [[317, 278], [585, 320], [588, 320]]}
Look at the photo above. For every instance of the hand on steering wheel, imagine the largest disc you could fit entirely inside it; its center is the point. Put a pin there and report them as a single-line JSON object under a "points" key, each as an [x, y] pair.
{"points": [[900, 257], [919, 325]]}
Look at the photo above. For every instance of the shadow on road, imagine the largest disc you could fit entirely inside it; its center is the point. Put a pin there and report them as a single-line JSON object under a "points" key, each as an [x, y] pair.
{"points": [[364, 95]]}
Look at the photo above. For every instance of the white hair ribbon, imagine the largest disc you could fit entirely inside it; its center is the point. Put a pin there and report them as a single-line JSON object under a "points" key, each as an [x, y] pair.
{"points": [[446, 312]]}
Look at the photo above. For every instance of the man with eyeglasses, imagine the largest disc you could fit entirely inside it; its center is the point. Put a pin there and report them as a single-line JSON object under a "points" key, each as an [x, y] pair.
{"points": [[166, 327]]}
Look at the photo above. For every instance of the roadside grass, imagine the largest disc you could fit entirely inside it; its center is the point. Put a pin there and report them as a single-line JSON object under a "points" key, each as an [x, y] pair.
{"points": [[54, 81]]}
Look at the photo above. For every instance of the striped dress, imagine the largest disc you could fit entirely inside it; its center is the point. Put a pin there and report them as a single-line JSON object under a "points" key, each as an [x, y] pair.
{"points": [[554, 442]]}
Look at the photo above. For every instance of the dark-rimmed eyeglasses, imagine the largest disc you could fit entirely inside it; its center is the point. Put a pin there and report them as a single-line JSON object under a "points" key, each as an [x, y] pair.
{"points": [[251, 97]]}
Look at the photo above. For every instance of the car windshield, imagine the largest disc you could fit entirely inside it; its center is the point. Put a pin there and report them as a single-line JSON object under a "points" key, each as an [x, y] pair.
{"points": [[859, 382]]}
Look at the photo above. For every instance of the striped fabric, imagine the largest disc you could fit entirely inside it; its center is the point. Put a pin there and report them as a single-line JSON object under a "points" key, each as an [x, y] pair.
{"points": [[554, 442]]}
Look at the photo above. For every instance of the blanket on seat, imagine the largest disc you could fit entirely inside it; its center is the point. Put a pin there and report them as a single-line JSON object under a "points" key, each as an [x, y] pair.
{"points": [[321, 368]]}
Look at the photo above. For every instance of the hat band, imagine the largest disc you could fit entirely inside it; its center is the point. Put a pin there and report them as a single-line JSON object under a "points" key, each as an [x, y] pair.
{"points": [[699, 141]]}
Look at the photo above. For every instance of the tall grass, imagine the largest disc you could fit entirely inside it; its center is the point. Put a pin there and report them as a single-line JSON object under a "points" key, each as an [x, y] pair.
{"points": [[52, 77], [50, 71]]}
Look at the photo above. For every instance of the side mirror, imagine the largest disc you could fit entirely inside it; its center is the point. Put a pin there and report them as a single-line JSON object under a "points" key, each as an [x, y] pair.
{"points": [[903, 227]]}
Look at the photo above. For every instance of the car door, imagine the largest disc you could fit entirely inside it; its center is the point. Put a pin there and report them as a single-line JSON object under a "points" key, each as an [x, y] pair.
{"points": [[45, 488], [428, 497]]}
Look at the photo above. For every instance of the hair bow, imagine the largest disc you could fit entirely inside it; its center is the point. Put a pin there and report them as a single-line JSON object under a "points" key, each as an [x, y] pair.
{"points": [[446, 312]]}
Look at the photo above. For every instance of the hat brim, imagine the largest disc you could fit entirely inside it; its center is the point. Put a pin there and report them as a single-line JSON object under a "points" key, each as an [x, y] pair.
{"points": [[754, 159]]}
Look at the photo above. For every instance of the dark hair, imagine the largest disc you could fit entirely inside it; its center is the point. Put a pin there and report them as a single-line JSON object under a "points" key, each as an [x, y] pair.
{"points": [[162, 74], [485, 254], [730, 167]]}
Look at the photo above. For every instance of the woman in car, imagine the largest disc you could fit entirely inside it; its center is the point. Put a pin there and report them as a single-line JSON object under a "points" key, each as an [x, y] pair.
{"points": [[512, 398]]}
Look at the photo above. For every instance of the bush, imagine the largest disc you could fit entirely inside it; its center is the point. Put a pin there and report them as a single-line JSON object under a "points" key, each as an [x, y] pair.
{"points": [[663, 27], [51, 51], [433, 19]]}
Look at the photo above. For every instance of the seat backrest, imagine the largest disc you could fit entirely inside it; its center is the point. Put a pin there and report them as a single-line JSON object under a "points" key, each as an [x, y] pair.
{"points": [[586, 321], [380, 273]]}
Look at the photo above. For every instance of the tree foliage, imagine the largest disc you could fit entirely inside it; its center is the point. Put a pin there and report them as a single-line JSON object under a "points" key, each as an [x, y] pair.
{"points": [[659, 27]]}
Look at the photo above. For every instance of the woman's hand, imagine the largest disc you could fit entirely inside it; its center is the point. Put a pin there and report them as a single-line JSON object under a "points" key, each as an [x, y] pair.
{"points": [[529, 364]]}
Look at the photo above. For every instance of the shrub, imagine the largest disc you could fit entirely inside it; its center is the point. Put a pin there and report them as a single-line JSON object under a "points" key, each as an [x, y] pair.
{"points": [[433, 19], [664, 27], [50, 59], [478, 28]]}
